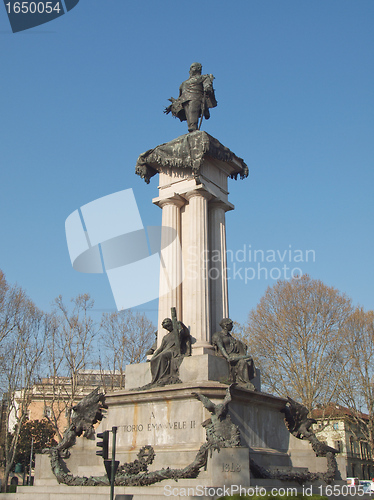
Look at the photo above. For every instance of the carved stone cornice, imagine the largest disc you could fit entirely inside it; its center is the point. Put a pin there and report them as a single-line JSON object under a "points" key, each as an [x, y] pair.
{"points": [[189, 151]]}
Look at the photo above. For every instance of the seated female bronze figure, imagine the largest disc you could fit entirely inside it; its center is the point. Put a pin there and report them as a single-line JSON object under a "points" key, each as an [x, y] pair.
{"points": [[242, 368]]}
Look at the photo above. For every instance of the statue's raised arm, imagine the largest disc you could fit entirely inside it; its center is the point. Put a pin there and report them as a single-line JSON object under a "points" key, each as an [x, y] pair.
{"points": [[196, 97]]}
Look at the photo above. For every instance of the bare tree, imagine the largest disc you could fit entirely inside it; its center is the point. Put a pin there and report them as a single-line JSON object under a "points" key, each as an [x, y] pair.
{"points": [[20, 356], [295, 334], [12, 306], [77, 334], [69, 353], [126, 336], [357, 385]]}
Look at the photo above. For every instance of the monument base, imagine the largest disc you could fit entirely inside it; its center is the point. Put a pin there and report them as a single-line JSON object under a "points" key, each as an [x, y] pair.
{"points": [[199, 368], [170, 420]]}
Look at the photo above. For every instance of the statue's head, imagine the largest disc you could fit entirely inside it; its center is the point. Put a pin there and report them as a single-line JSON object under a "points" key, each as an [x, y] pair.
{"points": [[226, 323], [167, 324], [195, 69]]}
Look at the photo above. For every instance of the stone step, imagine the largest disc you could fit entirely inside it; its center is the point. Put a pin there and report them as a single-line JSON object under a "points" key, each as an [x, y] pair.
{"points": [[62, 492], [287, 469]]}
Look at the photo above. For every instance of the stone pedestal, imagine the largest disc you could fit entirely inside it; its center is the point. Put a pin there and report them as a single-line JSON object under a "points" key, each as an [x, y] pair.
{"points": [[193, 194], [169, 419], [199, 368]]}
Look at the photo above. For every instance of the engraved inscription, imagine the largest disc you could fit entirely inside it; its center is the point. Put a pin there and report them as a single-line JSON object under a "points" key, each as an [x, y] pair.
{"points": [[159, 426], [133, 428], [231, 467], [162, 423]]}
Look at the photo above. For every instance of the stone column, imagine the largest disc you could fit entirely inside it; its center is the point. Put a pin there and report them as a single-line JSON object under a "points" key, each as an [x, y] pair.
{"points": [[219, 305], [171, 262], [196, 281]]}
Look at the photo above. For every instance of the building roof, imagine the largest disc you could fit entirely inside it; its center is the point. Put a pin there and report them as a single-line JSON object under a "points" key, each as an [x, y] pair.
{"points": [[337, 411]]}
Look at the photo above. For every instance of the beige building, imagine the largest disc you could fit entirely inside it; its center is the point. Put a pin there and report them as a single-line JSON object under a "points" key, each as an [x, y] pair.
{"points": [[53, 398], [337, 428]]}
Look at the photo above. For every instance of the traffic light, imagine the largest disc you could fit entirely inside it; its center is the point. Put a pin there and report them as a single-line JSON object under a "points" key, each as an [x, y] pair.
{"points": [[104, 444]]}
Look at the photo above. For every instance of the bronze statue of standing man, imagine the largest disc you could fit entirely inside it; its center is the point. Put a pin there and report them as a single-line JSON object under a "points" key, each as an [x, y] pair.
{"points": [[196, 96]]}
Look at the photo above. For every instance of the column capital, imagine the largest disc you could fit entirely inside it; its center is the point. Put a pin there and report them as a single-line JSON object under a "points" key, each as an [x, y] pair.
{"points": [[175, 200], [198, 192], [216, 204]]}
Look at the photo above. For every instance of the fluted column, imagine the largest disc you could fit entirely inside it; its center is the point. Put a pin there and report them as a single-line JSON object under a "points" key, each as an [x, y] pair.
{"points": [[170, 294], [196, 281], [219, 305]]}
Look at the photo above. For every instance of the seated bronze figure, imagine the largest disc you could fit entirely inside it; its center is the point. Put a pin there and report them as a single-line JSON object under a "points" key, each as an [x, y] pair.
{"points": [[167, 358], [242, 368]]}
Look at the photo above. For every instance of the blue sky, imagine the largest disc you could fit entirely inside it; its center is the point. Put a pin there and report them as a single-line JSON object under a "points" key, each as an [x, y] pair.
{"points": [[83, 95]]}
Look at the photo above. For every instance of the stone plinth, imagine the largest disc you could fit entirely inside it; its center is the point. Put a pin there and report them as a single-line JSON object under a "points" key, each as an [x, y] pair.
{"points": [[169, 419], [205, 367], [228, 467]]}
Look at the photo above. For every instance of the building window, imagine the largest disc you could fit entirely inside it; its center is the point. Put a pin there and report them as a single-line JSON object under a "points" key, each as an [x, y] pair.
{"points": [[335, 426], [363, 471], [352, 445], [338, 446], [364, 448], [48, 411]]}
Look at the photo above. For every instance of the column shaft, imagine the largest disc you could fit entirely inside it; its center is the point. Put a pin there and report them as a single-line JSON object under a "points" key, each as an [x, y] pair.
{"points": [[196, 283], [219, 305], [171, 263]]}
